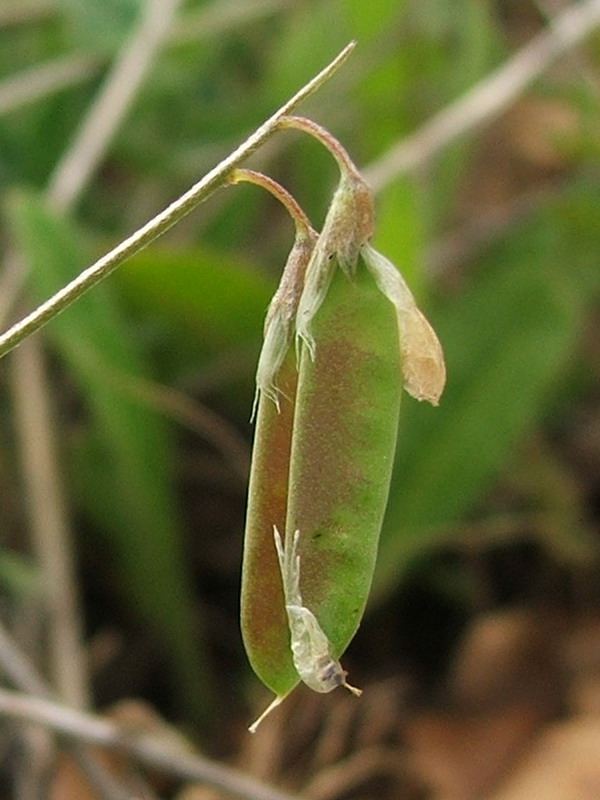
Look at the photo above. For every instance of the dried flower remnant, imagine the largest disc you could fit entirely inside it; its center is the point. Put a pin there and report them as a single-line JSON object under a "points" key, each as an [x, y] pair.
{"points": [[280, 322], [423, 364], [311, 649]]}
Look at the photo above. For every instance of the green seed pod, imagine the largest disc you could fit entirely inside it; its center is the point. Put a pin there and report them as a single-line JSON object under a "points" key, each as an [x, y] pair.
{"points": [[344, 439], [263, 616]]}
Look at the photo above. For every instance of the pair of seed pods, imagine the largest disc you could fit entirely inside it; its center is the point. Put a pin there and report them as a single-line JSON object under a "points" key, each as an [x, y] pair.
{"points": [[341, 335]]}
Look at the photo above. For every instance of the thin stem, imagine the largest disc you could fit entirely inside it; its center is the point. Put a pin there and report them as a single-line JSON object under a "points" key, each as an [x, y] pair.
{"points": [[49, 518], [44, 79], [337, 150], [12, 279], [301, 221], [488, 98], [578, 59], [52, 76], [211, 20], [19, 670], [165, 220], [50, 529], [120, 87], [147, 749]]}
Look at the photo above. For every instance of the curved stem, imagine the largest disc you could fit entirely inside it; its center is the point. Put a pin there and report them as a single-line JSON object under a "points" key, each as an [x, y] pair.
{"points": [[50, 528], [301, 221], [322, 135]]}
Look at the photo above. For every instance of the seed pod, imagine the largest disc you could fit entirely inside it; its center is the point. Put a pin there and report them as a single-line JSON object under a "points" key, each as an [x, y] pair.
{"points": [[263, 616], [344, 439], [323, 456]]}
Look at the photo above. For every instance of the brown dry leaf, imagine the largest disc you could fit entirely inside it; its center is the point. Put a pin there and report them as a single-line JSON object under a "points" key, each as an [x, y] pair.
{"points": [[584, 695], [514, 671], [507, 656], [504, 684], [564, 764], [197, 791], [462, 757]]}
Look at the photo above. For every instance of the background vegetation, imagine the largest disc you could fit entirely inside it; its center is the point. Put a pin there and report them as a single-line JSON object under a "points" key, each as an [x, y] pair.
{"points": [[142, 461]]}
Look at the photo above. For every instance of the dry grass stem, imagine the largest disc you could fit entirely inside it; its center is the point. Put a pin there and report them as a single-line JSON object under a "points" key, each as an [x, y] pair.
{"points": [[488, 98]]}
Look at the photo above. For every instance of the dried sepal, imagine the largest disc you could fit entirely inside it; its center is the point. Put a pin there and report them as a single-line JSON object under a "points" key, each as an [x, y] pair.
{"points": [[281, 315], [347, 227], [423, 364], [345, 236], [350, 221]]}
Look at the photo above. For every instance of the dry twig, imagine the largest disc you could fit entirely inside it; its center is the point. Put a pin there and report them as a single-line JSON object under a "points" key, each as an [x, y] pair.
{"points": [[146, 749], [488, 98]]}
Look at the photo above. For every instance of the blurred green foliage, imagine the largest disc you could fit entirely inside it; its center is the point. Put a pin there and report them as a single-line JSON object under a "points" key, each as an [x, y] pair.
{"points": [[510, 311]]}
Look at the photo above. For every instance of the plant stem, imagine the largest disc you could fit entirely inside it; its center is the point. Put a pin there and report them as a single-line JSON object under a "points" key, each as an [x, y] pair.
{"points": [[165, 220], [19, 670], [337, 150], [49, 525], [292, 206], [25, 11], [51, 530], [120, 87], [44, 79]]}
